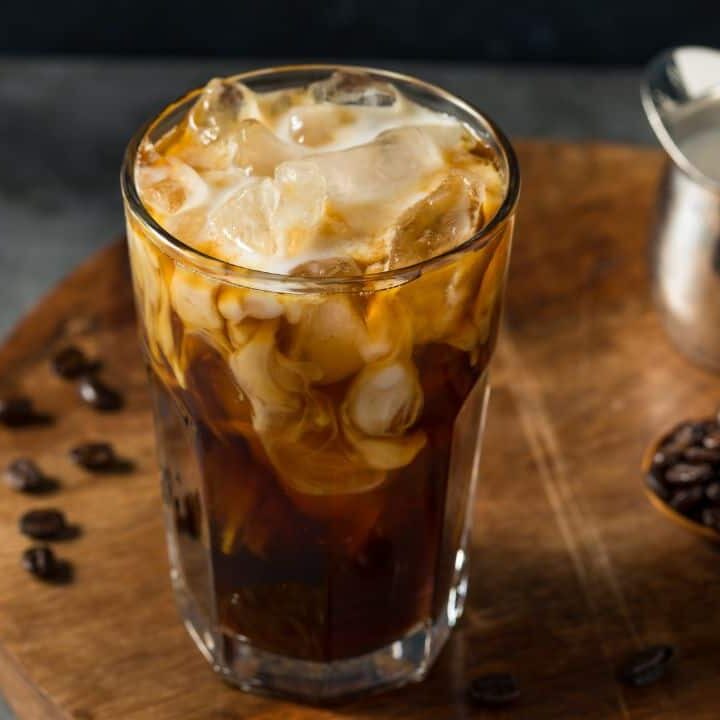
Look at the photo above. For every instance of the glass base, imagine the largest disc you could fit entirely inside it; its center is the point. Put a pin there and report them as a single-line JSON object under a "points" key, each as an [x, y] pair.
{"points": [[404, 661]]}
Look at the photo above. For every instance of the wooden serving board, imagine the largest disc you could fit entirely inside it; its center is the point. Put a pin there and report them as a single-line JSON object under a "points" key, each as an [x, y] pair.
{"points": [[571, 567]]}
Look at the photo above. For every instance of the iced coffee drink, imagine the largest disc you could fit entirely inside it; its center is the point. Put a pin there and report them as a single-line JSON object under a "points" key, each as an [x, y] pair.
{"points": [[319, 258]]}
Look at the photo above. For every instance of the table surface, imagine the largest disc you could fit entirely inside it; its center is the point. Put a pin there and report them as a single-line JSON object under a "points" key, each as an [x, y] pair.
{"points": [[571, 567], [64, 125]]}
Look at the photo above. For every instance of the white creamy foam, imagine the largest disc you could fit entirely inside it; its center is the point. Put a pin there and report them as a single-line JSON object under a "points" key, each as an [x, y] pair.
{"points": [[338, 170]]}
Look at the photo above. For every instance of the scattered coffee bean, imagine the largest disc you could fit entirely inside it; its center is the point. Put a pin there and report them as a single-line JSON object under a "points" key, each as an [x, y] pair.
{"points": [[685, 474], [94, 456], [15, 408], [494, 689], [657, 486], [43, 524], [711, 517], [25, 476], [687, 500], [99, 395], [71, 363], [40, 561], [647, 666], [697, 455], [18, 411]]}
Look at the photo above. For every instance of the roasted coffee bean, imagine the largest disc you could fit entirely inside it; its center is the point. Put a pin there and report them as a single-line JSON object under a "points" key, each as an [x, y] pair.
{"points": [[17, 411], [494, 689], [94, 456], [99, 395], [688, 499], [655, 484], [697, 455], [25, 476], [40, 560], [685, 474], [712, 492], [46, 524], [663, 459], [711, 517], [70, 363], [682, 437], [712, 439], [647, 666]]}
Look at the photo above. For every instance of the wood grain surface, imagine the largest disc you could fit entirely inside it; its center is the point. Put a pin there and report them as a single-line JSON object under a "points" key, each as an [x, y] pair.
{"points": [[571, 566]]}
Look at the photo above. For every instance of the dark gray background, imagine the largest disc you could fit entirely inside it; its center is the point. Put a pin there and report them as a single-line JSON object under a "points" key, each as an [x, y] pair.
{"points": [[576, 31]]}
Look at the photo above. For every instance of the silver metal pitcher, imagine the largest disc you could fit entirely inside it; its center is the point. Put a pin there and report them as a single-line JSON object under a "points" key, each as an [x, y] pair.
{"points": [[681, 97]]}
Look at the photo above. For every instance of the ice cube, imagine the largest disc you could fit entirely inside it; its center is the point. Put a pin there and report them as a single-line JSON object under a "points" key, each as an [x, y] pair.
{"points": [[259, 151], [218, 108], [385, 399], [301, 192], [188, 225], [278, 216], [383, 402], [443, 219], [240, 222], [314, 125], [170, 186], [353, 88], [371, 184], [331, 335]]}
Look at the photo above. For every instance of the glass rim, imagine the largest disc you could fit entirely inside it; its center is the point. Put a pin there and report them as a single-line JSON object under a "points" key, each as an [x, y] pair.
{"points": [[222, 269]]}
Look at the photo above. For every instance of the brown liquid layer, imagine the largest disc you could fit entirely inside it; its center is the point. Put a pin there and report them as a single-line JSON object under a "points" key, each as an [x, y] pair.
{"points": [[320, 577]]}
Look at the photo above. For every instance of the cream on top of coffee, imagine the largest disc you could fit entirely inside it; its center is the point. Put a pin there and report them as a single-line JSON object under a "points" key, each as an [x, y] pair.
{"points": [[344, 176]]}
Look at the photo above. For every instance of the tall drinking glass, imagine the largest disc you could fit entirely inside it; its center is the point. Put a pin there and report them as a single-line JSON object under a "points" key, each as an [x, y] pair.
{"points": [[318, 528]]}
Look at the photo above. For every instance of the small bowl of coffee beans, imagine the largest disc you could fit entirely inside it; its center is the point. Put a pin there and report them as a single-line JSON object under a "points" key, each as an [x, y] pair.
{"points": [[682, 476]]}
